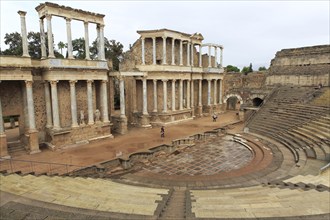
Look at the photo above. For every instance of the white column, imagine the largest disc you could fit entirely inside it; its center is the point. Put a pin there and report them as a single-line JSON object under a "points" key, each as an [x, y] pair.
{"points": [[104, 100], [144, 93], [142, 48], [215, 92], [192, 54], [69, 37], [122, 97], [220, 91], [221, 54], [181, 94], [155, 95], [74, 122], [164, 96], [188, 54], [173, 95], [210, 61], [98, 38], [208, 92], [102, 52], [181, 59], [50, 36], [200, 93], [87, 57], [173, 51], [56, 115], [90, 102], [134, 95], [154, 50], [42, 39], [188, 94], [215, 56], [200, 55], [49, 123], [2, 129], [24, 34], [164, 50], [192, 94]]}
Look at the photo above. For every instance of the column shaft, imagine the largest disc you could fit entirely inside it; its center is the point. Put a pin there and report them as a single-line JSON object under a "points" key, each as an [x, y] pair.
{"points": [[210, 61], [164, 96], [155, 95], [24, 34], [164, 50], [154, 50], [56, 115], [192, 94], [200, 55], [221, 54], [144, 93], [181, 59], [104, 99], [220, 91], [188, 94], [181, 94], [215, 57], [87, 57], [215, 92], [188, 54], [30, 104], [42, 39], [48, 106], [192, 54], [2, 129], [208, 92], [200, 93], [173, 51], [73, 103], [50, 36], [98, 42], [122, 97], [90, 102], [102, 51], [69, 38], [142, 48], [173, 95], [134, 95]]}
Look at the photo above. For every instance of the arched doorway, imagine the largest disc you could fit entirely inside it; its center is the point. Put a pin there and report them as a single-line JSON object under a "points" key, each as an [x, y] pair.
{"points": [[257, 102], [233, 101]]}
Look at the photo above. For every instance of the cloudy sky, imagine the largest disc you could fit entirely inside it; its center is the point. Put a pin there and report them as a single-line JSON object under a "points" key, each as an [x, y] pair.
{"points": [[250, 31]]}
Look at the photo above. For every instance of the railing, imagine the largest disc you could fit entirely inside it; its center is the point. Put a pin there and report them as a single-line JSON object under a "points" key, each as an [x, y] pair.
{"points": [[36, 167], [324, 168]]}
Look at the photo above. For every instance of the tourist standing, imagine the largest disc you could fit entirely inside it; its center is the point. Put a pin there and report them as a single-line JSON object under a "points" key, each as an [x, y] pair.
{"points": [[162, 132]]}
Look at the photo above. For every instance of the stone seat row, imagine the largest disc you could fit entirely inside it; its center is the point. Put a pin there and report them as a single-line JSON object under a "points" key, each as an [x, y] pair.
{"points": [[323, 179]]}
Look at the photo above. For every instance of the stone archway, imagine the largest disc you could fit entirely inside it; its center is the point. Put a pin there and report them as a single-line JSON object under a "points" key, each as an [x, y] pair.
{"points": [[233, 101], [257, 99]]}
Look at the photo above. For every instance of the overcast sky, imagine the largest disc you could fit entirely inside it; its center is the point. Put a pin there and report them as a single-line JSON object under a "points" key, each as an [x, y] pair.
{"points": [[250, 31]]}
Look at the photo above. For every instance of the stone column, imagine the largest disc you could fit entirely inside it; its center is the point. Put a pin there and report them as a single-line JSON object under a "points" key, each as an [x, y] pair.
{"points": [[215, 92], [104, 100], [221, 54], [122, 98], [49, 123], [200, 55], [144, 93], [90, 102], [24, 34], [155, 95], [173, 95], [87, 57], [98, 42], [102, 53], [56, 115], [181, 59], [42, 39], [208, 92], [210, 61], [154, 50], [3, 137], [2, 128], [50, 36], [142, 52], [200, 93], [181, 94], [215, 56], [29, 94], [164, 50], [220, 91], [173, 51], [192, 54], [164, 96], [192, 94], [134, 94], [69, 37], [188, 94], [188, 54], [74, 123]]}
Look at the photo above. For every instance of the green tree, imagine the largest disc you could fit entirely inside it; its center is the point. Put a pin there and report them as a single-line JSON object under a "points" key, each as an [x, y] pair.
{"points": [[247, 69], [78, 47], [61, 46], [14, 41], [231, 68], [262, 68]]}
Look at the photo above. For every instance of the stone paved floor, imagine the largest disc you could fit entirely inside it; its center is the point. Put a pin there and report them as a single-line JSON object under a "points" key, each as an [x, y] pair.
{"points": [[215, 156]]}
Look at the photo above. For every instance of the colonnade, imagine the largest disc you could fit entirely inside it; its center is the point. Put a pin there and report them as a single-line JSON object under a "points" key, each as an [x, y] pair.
{"points": [[52, 107], [189, 52]]}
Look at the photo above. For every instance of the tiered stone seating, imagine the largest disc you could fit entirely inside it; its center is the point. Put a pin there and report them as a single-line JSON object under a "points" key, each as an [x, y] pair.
{"points": [[259, 202], [322, 179], [86, 193]]}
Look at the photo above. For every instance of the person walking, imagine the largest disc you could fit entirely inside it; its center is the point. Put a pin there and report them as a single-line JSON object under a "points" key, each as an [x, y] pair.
{"points": [[162, 132]]}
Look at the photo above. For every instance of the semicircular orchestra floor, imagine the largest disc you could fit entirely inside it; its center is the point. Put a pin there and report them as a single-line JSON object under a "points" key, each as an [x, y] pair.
{"points": [[217, 161]]}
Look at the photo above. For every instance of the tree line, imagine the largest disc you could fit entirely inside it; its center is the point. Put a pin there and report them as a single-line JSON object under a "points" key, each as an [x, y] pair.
{"points": [[113, 49], [245, 70]]}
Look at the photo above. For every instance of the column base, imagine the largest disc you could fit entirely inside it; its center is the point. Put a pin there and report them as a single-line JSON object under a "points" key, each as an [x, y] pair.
{"points": [[4, 147], [33, 142], [145, 121], [122, 125], [200, 111]]}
